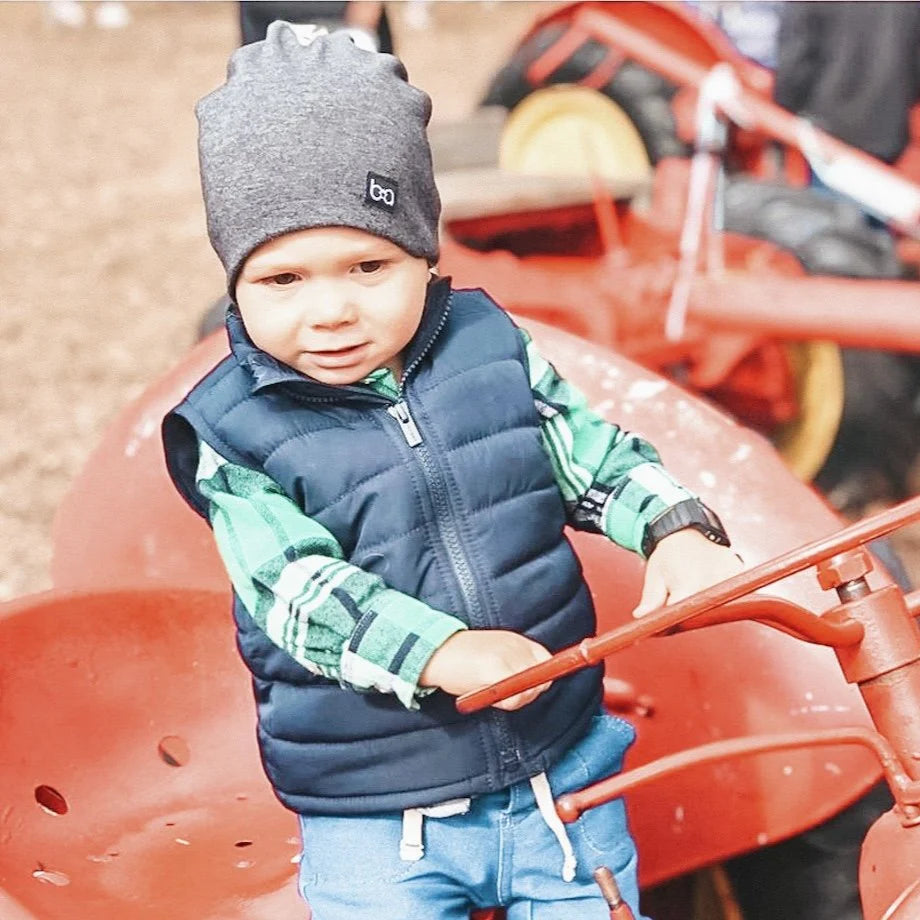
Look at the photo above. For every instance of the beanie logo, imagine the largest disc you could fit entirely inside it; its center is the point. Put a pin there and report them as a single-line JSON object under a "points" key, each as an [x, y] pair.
{"points": [[381, 192]]}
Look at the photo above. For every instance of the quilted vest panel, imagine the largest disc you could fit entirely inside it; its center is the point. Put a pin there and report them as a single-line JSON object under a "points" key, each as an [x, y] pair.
{"points": [[470, 521]]}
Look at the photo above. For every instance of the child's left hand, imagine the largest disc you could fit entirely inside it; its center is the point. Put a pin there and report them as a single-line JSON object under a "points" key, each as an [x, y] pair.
{"points": [[682, 564]]}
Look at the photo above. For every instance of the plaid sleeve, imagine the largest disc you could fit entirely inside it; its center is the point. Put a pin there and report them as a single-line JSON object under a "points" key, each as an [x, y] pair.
{"points": [[612, 481], [333, 618]]}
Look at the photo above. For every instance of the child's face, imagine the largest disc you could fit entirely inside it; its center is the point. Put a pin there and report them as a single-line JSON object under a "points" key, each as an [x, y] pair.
{"points": [[334, 303]]}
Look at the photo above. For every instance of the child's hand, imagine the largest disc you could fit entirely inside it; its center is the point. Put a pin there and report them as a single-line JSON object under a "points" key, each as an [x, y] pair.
{"points": [[682, 564], [473, 658]]}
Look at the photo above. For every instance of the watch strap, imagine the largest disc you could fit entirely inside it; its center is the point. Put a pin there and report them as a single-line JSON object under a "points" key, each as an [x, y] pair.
{"points": [[691, 513]]}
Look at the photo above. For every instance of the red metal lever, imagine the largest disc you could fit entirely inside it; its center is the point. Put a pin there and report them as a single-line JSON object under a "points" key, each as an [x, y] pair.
{"points": [[571, 806], [592, 651], [786, 616]]}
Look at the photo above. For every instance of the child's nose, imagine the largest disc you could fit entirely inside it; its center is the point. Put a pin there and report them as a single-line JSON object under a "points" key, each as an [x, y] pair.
{"points": [[331, 307]]}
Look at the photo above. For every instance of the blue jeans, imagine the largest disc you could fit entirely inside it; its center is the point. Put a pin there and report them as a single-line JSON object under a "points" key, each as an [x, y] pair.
{"points": [[500, 853]]}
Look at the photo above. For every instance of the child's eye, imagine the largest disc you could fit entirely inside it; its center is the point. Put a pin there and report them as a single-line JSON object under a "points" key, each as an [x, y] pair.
{"points": [[282, 279], [369, 267]]}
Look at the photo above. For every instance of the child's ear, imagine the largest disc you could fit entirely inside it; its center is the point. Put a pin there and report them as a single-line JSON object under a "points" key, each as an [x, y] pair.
{"points": [[433, 271]]}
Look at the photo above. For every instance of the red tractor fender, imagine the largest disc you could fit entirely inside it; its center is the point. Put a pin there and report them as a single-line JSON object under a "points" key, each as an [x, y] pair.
{"points": [[123, 525], [672, 24]]}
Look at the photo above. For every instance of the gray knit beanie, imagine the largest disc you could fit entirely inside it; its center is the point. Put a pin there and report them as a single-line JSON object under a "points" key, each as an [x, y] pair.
{"points": [[315, 135]]}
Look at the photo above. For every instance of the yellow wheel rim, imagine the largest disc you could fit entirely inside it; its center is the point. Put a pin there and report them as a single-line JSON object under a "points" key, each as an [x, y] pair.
{"points": [[572, 130], [805, 442]]}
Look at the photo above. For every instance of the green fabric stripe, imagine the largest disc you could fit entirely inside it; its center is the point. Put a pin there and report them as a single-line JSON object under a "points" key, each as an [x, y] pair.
{"points": [[233, 553], [602, 454]]}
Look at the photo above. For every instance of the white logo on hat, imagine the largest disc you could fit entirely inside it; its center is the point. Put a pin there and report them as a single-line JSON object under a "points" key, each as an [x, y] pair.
{"points": [[380, 192]]}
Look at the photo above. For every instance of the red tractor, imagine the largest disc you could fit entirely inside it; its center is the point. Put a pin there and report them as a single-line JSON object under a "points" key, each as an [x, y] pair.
{"points": [[132, 785]]}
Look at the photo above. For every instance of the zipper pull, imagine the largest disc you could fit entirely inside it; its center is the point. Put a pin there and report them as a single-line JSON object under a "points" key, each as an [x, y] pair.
{"points": [[400, 411]]}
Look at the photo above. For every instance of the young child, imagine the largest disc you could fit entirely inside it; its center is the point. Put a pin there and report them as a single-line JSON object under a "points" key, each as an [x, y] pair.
{"points": [[388, 465]]}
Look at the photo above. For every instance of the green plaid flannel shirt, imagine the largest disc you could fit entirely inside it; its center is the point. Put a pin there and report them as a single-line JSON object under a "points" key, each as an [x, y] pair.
{"points": [[290, 574]]}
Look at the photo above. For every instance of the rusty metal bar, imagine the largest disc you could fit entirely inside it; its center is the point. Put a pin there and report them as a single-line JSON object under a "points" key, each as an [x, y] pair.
{"points": [[572, 805], [871, 314], [605, 214], [555, 56], [913, 603], [592, 651], [619, 909], [621, 696]]}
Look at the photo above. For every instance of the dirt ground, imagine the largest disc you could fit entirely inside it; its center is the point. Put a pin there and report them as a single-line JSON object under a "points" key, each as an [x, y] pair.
{"points": [[105, 266], [104, 262]]}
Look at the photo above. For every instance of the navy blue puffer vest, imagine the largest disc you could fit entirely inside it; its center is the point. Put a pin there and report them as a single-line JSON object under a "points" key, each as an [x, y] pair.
{"points": [[469, 520]]}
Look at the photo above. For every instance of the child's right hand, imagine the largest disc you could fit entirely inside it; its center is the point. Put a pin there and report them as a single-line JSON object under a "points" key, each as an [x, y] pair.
{"points": [[474, 658]]}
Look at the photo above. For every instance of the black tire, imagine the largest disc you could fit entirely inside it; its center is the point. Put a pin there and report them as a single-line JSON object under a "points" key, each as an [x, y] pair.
{"points": [[644, 96], [828, 235], [879, 436], [813, 874]]}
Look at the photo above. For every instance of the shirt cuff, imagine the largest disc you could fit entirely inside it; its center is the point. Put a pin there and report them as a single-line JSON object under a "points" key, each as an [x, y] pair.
{"points": [[651, 490], [392, 644]]}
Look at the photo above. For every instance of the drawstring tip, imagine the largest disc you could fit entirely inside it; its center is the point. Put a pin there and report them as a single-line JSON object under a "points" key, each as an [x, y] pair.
{"points": [[568, 869], [410, 852], [411, 847]]}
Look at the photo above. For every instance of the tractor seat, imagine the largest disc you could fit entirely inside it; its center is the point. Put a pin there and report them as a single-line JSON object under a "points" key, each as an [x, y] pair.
{"points": [[132, 787]]}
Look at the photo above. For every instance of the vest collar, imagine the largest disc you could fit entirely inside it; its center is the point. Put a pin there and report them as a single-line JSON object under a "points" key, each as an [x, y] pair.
{"points": [[267, 371]]}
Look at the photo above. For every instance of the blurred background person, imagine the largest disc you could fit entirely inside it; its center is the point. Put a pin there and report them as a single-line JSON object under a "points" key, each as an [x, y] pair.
{"points": [[365, 19], [852, 69], [752, 25]]}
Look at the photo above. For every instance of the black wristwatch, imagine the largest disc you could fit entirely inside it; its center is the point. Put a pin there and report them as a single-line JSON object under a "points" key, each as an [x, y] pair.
{"points": [[690, 513]]}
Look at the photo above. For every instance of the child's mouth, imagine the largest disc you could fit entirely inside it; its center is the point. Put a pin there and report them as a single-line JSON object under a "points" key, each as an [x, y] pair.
{"points": [[338, 357]]}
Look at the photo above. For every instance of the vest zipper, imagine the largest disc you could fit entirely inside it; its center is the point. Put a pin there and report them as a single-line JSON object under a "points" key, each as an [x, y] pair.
{"points": [[447, 525], [400, 411], [434, 479], [449, 530]]}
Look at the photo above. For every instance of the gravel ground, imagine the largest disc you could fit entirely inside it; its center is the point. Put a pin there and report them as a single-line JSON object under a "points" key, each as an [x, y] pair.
{"points": [[104, 262]]}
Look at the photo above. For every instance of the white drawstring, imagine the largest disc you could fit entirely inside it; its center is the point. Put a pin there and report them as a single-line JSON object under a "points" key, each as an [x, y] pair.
{"points": [[412, 846], [544, 796]]}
